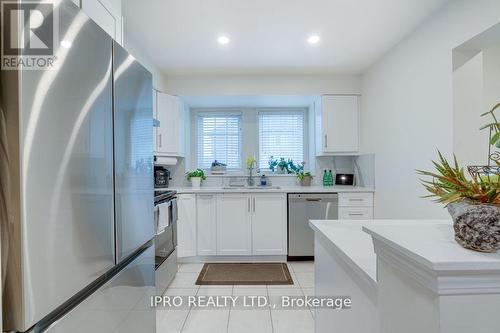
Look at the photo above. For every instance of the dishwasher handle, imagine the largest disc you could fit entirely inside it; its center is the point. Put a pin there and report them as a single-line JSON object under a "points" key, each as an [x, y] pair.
{"points": [[313, 197]]}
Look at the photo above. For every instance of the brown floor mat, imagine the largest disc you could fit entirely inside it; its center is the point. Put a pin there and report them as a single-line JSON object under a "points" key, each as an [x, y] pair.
{"points": [[244, 274]]}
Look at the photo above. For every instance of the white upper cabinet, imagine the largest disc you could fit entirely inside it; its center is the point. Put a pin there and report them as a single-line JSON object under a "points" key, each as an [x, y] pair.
{"points": [[107, 14], [234, 229], [207, 224], [186, 225], [269, 224], [169, 136], [337, 124]]}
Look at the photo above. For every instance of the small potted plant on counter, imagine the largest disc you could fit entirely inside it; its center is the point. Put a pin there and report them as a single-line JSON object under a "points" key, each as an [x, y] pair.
{"points": [[195, 177], [473, 202], [305, 178]]}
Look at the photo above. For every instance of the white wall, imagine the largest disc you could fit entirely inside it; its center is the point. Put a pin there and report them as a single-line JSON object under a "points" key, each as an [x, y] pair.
{"points": [[408, 106], [469, 144], [264, 84], [159, 81]]}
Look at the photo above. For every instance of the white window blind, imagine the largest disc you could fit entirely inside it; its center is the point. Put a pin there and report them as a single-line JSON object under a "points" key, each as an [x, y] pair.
{"points": [[281, 134], [219, 138]]}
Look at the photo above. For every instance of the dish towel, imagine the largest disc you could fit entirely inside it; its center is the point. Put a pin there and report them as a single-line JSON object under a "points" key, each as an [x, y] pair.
{"points": [[163, 218]]}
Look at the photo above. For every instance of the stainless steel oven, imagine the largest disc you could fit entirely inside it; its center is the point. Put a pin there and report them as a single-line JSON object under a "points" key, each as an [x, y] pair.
{"points": [[165, 213]]}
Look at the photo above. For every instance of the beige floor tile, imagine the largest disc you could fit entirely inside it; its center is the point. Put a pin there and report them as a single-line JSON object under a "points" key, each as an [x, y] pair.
{"points": [[184, 280], [170, 321], [302, 266], [292, 321], [200, 321], [190, 268], [258, 321], [305, 279]]}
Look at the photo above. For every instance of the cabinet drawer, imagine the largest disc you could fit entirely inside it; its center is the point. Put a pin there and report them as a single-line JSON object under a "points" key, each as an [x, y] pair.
{"points": [[355, 213], [355, 199]]}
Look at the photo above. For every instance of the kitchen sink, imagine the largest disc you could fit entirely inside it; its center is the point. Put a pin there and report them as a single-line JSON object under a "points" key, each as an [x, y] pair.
{"points": [[251, 188]]}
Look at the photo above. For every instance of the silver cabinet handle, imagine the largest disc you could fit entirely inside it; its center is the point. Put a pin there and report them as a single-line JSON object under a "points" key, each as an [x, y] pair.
{"points": [[159, 139], [254, 205], [205, 196], [356, 214], [326, 140], [249, 205], [356, 199]]}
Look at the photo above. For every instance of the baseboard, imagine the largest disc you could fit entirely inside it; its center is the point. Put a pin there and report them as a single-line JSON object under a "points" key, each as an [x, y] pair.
{"points": [[203, 259]]}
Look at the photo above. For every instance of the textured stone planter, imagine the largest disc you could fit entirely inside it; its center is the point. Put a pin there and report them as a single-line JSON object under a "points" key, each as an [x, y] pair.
{"points": [[306, 181], [477, 226]]}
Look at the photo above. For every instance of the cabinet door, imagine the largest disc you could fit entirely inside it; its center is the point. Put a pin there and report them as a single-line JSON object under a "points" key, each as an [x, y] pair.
{"points": [[156, 127], [234, 225], [168, 113], [186, 225], [207, 224], [100, 15], [340, 124], [269, 224]]}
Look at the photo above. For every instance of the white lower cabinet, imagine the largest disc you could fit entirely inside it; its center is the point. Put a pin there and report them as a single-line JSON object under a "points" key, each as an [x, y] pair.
{"points": [[269, 224], [186, 225], [355, 206], [234, 230], [207, 224]]}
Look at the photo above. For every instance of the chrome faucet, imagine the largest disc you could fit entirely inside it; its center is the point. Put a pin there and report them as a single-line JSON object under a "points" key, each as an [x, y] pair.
{"points": [[250, 180]]}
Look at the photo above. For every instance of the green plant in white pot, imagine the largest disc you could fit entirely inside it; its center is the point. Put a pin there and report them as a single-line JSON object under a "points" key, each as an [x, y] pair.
{"points": [[195, 177], [305, 178]]}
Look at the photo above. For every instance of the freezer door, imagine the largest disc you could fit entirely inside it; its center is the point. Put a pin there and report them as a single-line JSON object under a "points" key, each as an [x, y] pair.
{"points": [[120, 306], [133, 142], [66, 171]]}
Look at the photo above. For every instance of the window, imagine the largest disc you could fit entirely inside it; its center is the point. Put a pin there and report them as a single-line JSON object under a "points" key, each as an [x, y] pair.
{"points": [[219, 138], [281, 134]]}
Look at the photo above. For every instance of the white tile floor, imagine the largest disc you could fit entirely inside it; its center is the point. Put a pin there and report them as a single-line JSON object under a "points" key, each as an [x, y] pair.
{"points": [[238, 319]]}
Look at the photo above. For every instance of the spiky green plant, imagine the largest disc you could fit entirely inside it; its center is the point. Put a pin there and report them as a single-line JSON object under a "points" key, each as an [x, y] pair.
{"points": [[493, 126], [450, 184]]}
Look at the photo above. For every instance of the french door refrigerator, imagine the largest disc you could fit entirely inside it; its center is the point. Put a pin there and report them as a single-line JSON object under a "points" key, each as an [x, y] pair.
{"points": [[76, 176]]}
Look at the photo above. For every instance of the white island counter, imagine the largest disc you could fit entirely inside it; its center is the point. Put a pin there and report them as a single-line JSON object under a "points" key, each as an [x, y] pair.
{"points": [[404, 276]]}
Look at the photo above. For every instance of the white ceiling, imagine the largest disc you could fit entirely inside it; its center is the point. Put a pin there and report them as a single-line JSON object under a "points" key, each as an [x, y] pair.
{"points": [[269, 36]]}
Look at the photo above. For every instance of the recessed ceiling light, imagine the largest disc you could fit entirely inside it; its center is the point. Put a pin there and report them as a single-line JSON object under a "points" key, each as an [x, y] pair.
{"points": [[223, 40], [313, 39], [66, 44]]}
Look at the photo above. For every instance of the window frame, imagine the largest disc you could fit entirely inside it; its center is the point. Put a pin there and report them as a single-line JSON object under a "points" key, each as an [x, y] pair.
{"points": [[249, 137], [219, 112], [305, 138]]}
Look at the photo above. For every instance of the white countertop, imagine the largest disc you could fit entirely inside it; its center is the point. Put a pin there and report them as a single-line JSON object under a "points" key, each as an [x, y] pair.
{"points": [[433, 246], [281, 189], [355, 245]]}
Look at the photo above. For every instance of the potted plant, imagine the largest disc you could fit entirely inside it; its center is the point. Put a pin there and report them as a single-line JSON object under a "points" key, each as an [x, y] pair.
{"points": [[473, 201], [305, 178], [282, 166], [195, 177], [273, 163], [218, 168]]}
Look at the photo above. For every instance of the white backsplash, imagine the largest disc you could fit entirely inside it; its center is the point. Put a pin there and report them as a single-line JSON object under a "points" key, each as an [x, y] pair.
{"points": [[338, 164]]}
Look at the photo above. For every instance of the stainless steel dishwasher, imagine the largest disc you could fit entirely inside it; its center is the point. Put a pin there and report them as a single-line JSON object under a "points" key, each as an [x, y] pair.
{"points": [[303, 207]]}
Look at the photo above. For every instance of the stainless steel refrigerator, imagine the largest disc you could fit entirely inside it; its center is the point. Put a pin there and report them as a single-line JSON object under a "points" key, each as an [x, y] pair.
{"points": [[77, 187]]}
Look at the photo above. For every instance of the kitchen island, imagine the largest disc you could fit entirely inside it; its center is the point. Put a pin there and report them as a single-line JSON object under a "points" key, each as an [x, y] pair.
{"points": [[404, 276]]}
